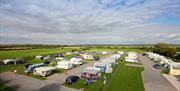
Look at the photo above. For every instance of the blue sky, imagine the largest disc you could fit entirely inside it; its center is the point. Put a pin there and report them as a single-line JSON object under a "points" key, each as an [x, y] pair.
{"points": [[89, 21]]}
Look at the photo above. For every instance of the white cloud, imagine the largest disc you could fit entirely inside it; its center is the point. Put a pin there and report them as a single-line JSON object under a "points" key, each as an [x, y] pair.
{"points": [[85, 21]]}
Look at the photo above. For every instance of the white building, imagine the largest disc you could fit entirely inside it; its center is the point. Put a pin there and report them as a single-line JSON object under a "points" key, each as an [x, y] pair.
{"points": [[64, 64], [43, 71], [76, 60]]}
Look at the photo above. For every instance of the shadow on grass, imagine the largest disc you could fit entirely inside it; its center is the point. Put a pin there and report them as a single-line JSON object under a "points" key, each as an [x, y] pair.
{"points": [[51, 87]]}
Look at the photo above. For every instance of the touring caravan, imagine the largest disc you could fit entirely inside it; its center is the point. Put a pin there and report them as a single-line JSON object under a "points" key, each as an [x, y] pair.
{"points": [[43, 71], [32, 67], [76, 60], [91, 73], [64, 64]]}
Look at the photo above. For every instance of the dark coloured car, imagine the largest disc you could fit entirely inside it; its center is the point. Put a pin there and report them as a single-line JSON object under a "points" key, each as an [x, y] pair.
{"points": [[144, 54], [26, 65], [46, 62], [96, 58], [157, 66], [1, 63], [71, 79], [20, 61]]}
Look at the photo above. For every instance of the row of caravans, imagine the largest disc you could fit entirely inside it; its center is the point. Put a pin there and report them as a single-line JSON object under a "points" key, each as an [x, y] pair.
{"points": [[158, 58], [132, 57], [105, 65], [42, 70], [63, 63], [174, 67]]}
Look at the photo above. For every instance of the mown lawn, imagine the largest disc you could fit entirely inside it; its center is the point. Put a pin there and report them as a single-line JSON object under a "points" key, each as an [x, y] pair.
{"points": [[5, 88], [93, 86], [125, 78]]}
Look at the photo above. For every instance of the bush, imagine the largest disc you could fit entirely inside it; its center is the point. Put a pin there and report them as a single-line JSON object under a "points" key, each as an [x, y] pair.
{"points": [[165, 71]]}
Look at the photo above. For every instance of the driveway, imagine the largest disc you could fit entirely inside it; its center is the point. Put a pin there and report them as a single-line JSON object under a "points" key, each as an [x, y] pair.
{"points": [[153, 80]]}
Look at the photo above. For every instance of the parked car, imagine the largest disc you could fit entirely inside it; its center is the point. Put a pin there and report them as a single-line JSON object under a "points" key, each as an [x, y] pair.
{"points": [[96, 58], [26, 65], [46, 62], [71, 79], [144, 54], [32, 67], [20, 61], [1, 63], [157, 66]]}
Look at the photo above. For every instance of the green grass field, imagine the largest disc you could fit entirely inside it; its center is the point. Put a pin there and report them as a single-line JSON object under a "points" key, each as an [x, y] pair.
{"points": [[114, 50], [20, 68], [123, 78], [93, 86], [29, 52]]}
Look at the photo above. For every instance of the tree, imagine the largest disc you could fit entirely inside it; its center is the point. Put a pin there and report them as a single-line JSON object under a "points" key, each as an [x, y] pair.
{"points": [[177, 56], [171, 52], [164, 49]]}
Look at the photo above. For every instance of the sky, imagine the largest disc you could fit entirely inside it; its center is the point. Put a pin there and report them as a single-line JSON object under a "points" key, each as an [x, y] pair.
{"points": [[89, 21]]}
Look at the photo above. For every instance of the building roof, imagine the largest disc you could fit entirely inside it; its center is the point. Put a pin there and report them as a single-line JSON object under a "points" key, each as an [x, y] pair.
{"points": [[100, 64], [91, 70]]}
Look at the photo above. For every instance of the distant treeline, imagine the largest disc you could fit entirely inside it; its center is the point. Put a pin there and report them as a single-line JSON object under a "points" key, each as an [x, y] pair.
{"points": [[166, 50], [42, 46]]}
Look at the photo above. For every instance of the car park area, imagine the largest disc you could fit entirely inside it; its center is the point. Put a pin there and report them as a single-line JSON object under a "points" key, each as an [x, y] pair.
{"points": [[153, 79]]}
